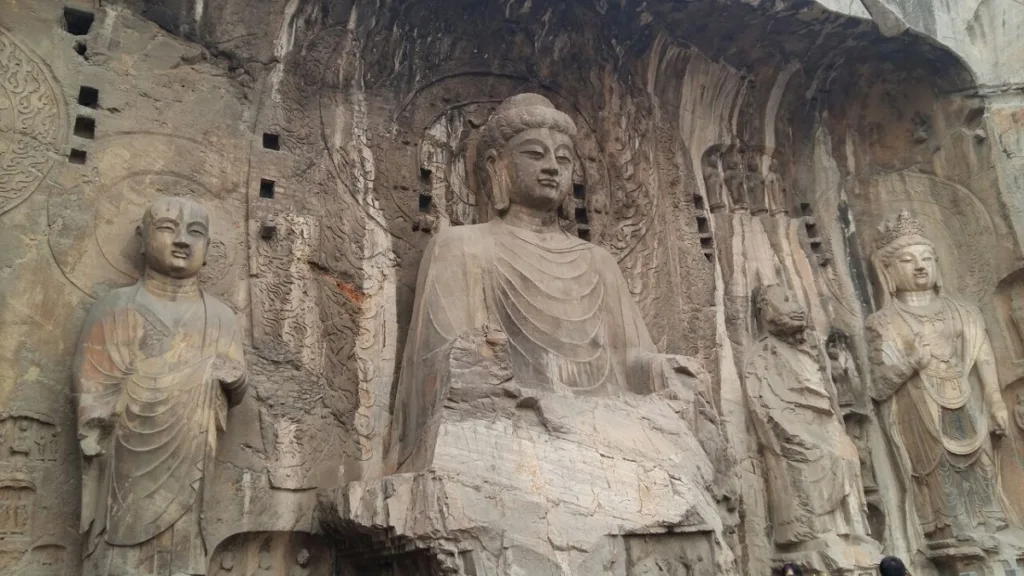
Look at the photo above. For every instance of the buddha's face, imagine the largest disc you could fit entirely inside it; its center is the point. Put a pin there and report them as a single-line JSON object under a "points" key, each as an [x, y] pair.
{"points": [[781, 312], [914, 269], [175, 237], [539, 163]]}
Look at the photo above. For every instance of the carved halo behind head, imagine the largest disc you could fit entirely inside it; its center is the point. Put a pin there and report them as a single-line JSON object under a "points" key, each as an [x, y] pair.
{"points": [[514, 115]]}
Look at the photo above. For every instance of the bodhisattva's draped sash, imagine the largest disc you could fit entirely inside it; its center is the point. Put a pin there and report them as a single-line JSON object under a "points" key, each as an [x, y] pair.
{"points": [[568, 314], [939, 412]]}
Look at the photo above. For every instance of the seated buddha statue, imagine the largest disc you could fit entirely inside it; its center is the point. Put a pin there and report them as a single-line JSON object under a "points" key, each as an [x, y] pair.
{"points": [[570, 321]]}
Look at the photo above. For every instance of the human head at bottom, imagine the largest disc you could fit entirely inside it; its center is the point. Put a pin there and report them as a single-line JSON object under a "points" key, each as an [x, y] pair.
{"points": [[791, 569], [892, 566]]}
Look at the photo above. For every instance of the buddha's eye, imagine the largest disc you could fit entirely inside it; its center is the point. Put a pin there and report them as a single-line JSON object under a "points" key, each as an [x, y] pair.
{"points": [[532, 154], [564, 160]]}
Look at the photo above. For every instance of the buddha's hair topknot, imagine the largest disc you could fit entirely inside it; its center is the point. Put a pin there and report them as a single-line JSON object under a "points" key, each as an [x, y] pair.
{"points": [[519, 113]]}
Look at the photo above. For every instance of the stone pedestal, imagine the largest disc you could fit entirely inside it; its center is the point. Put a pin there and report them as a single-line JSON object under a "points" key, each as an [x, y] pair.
{"points": [[990, 555], [539, 482]]}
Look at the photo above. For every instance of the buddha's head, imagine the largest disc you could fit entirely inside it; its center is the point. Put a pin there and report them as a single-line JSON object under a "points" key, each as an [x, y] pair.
{"points": [[904, 258], [175, 234], [779, 310], [525, 155]]}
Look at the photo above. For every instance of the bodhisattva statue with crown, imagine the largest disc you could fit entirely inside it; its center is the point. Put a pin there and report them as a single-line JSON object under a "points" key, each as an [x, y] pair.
{"points": [[569, 318], [158, 365], [934, 372]]}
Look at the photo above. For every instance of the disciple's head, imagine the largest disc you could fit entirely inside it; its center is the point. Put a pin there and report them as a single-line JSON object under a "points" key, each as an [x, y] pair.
{"points": [[175, 235], [779, 310], [525, 154], [905, 259]]}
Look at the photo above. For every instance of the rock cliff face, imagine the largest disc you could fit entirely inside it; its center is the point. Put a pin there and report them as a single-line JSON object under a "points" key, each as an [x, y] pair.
{"points": [[722, 146]]}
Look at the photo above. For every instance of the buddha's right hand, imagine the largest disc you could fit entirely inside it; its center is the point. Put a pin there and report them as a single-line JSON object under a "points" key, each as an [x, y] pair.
{"points": [[90, 438]]}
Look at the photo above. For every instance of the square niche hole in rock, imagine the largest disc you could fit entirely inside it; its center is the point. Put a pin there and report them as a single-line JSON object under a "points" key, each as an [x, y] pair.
{"points": [[271, 141], [77, 22], [88, 97], [85, 127], [266, 188], [77, 156]]}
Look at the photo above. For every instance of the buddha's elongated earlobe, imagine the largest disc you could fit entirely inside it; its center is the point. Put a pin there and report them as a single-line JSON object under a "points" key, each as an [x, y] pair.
{"points": [[500, 181]]}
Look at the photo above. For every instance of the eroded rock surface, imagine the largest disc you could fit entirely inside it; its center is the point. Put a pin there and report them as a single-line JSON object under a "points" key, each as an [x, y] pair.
{"points": [[720, 145]]}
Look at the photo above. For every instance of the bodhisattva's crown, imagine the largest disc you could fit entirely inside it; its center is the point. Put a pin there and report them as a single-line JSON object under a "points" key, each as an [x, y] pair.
{"points": [[901, 226]]}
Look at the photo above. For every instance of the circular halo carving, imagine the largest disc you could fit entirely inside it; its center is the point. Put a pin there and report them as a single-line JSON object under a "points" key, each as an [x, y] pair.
{"points": [[31, 122], [92, 226], [954, 220]]}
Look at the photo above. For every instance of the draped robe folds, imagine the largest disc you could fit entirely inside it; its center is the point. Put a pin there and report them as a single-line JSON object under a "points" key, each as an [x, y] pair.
{"points": [[160, 376], [812, 466], [939, 417], [569, 316]]}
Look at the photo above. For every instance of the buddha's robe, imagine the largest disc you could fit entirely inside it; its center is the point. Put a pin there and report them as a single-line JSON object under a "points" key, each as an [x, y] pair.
{"points": [[812, 466], [162, 373], [563, 303], [939, 418]]}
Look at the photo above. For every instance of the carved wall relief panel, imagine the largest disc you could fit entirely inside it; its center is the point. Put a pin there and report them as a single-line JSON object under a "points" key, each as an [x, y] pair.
{"points": [[286, 322], [32, 456], [32, 122]]}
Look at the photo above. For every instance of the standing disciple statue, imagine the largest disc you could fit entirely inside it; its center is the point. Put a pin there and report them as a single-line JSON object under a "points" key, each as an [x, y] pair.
{"points": [[562, 303], [158, 366], [733, 166], [934, 370], [811, 466], [712, 172]]}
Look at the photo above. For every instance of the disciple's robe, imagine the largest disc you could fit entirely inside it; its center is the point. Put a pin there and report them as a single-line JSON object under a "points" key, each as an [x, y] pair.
{"points": [[569, 316], [152, 368], [811, 465]]}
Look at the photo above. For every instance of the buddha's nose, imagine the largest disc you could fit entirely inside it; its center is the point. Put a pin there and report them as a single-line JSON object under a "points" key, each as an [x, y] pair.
{"points": [[550, 167]]}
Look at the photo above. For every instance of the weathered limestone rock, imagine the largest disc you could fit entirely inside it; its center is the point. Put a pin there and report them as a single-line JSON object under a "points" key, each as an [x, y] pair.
{"points": [[537, 481], [720, 145]]}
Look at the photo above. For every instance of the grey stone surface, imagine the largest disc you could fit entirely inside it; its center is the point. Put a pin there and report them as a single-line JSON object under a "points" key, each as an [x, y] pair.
{"points": [[372, 112]]}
